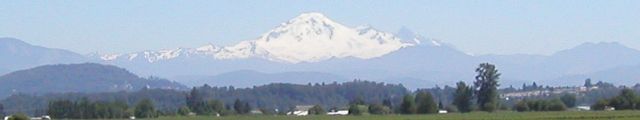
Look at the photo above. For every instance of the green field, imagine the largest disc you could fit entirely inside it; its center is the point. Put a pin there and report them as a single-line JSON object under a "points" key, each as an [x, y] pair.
{"points": [[573, 115]]}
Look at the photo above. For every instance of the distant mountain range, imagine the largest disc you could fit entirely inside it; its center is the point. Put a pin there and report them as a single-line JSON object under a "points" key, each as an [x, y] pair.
{"points": [[312, 48], [17, 55], [87, 77]]}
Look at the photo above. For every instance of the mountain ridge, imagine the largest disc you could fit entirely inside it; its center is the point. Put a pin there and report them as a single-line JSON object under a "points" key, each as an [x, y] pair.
{"points": [[85, 77], [309, 37]]}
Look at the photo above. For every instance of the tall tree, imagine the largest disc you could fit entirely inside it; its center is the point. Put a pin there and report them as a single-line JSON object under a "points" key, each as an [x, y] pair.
{"points": [[145, 109], [241, 107], [408, 105], [195, 102], [486, 87], [462, 97], [425, 103], [387, 103]]}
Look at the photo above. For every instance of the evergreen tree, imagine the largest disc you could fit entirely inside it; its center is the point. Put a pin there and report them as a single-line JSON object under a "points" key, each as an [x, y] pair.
{"points": [[241, 107], [486, 85], [408, 105], [195, 102], [425, 103], [145, 109], [387, 103], [462, 97]]}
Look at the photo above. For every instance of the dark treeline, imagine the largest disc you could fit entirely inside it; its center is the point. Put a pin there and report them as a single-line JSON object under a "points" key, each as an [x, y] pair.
{"points": [[626, 100], [266, 97], [285, 96], [164, 100], [86, 109]]}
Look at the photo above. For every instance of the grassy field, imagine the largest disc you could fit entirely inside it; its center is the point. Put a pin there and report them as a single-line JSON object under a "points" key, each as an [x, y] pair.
{"points": [[573, 115]]}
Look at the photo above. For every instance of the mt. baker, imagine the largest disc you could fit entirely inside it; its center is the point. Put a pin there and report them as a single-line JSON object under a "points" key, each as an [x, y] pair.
{"points": [[317, 46], [312, 48], [310, 37]]}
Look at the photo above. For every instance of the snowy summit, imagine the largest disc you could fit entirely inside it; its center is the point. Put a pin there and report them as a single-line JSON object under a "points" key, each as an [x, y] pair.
{"points": [[309, 37]]}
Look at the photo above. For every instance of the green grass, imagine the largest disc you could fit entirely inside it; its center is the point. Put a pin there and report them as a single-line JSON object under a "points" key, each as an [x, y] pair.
{"points": [[572, 115]]}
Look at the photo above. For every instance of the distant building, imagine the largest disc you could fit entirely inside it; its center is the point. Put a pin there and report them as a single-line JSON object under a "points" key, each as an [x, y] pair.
{"points": [[300, 110], [584, 108], [44, 117], [338, 112], [609, 108], [547, 92], [442, 111], [255, 112]]}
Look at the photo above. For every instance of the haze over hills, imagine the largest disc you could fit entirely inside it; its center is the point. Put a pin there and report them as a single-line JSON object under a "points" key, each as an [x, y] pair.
{"points": [[312, 48], [16, 54], [87, 78]]}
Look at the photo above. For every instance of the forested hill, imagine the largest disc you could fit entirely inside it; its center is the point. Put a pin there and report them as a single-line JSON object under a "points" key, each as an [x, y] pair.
{"points": [[87, 78], [273, 96]]}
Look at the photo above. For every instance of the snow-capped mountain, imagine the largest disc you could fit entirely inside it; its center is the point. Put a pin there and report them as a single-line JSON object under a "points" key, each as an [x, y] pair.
{"points": [[313, 43], [309, 37]]}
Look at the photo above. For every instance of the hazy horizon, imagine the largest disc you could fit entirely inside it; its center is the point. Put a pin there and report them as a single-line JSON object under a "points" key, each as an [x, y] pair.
{"points": [[493, 27]]}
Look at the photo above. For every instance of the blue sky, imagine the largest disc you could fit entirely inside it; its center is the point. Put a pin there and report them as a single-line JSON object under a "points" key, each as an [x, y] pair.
{"points": [[479, 27]]}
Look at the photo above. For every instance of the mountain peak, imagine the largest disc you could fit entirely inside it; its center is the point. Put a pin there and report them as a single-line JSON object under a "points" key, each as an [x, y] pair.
{"points": [[309, 37], [310, 16], [409, 36], [600, 46], [9, 40], [312, 37]]}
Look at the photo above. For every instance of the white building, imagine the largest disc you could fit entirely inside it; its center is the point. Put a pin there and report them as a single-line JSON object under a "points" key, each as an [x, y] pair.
{"points": [[338, 112], [300, 110], [442, 111]]}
